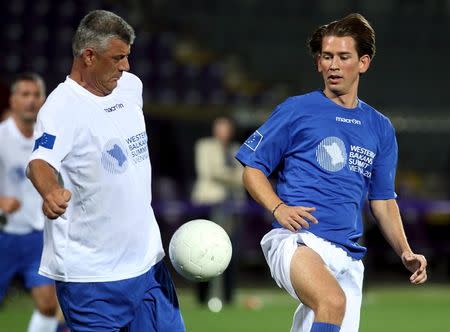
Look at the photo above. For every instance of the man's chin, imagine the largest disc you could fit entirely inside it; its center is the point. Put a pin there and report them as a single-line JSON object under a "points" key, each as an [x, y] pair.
{"points": [[29, 119], [336, 90], [110, 87]]}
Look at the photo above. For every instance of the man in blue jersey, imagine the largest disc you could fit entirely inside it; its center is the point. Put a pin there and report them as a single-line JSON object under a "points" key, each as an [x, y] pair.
{"points": [[329, 151]]}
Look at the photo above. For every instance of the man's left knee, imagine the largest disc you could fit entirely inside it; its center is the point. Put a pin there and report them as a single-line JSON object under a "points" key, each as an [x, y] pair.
{"points": [[45, 299], [47, 309]]}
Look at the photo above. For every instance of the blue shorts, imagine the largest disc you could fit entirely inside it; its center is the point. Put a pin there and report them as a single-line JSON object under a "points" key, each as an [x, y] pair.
{"points": [[147, 303], [20, 255]]}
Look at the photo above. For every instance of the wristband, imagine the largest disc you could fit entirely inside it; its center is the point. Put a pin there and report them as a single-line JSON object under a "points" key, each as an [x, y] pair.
{"points": [[276, 207]]}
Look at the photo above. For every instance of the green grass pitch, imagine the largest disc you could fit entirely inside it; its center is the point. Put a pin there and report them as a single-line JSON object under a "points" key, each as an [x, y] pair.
{"points": [[387, 309]]}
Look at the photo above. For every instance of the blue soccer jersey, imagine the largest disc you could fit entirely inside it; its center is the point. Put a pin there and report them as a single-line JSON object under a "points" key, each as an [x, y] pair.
{"points": [[329, 157]]}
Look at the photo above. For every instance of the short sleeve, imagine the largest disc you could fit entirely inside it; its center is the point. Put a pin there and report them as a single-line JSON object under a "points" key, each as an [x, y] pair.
{"points": [[382, 184], [54, 135], [2, 169], [140, 101], [265, 148]]}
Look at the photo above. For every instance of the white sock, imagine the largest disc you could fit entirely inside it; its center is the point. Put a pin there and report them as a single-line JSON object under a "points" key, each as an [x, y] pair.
{"points": [[41, 323]]}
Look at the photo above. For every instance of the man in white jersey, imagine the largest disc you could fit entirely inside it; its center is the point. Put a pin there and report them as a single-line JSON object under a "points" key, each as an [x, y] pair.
{"points": [[22, 221], [329, 151], [91, 166]]}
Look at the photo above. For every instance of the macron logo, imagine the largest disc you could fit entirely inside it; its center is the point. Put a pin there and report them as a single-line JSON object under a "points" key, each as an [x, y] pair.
{"points": [[351, 121], [114, 108]]}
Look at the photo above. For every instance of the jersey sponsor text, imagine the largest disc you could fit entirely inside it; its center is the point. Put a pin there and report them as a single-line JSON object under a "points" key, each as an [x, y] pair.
{"points": [[351, 121]]}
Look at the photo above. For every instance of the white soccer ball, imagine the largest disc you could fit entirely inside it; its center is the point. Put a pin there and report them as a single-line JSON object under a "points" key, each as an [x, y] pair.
{"points": [[200, 250]]}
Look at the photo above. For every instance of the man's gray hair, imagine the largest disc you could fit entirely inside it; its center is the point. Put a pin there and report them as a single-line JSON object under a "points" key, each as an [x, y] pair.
{"points": [[97, 28], [28, 76]]}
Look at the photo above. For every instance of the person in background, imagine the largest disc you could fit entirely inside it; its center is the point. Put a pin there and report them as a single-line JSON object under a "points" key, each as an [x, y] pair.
{"points": [[22, 221], [218, 189], [5, 93]]}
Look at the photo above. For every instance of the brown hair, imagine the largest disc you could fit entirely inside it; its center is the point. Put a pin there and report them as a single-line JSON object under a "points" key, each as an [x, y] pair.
{"points": [[353, 25]]}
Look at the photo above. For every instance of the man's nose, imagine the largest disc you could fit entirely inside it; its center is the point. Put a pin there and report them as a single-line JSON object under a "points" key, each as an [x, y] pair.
{"points": [[124, 65], [334, 63]]}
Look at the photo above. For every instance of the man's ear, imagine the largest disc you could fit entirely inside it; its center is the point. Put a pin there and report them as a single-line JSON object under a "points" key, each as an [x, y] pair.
{"points": [[12, 100], [364, 63], [317, 59], [88, 56]]}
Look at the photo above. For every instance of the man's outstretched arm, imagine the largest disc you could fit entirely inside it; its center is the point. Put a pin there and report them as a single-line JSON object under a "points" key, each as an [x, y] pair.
{"points": [[387, 214]]}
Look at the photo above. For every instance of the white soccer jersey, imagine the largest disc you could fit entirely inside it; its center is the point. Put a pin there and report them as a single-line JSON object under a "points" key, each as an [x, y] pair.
{"points": [[15, 150], [99, 147]]}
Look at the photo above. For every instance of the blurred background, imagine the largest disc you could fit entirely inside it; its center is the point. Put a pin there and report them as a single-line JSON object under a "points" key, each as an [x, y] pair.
{"points": [[200, 59]]}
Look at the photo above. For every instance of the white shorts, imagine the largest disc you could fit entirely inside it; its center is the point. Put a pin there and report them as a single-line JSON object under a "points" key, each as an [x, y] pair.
{"points": [[279, 246]]}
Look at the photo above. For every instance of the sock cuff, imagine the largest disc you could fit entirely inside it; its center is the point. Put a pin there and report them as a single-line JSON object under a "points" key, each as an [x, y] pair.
{"points": [[41, 323], [325, 327]]}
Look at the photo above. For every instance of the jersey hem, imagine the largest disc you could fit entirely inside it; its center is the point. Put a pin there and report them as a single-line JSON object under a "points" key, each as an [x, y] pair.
{"points": [[381, 197], [351, 251], [244, 162], [19, 232], [63, 278]]}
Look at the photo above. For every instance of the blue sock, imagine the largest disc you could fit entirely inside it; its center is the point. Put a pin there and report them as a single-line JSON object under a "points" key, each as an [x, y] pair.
{"points": [[324, 327], [62, 327]]}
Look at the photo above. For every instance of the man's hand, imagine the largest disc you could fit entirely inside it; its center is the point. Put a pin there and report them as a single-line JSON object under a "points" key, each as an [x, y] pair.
{"points": [[9, 204], [295, 218], [56, 202], [417, 264]]}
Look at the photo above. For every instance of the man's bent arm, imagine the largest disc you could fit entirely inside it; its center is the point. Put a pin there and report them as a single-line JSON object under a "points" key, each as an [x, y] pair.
{"points": [[43, 176], [45, 180], [290, 217], [259, 187]]}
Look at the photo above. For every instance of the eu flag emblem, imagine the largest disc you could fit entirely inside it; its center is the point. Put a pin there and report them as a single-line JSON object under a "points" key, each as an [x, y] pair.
{"points": [[46, 141], [253, 141]]}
